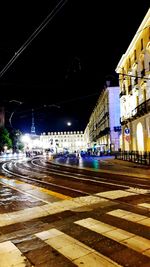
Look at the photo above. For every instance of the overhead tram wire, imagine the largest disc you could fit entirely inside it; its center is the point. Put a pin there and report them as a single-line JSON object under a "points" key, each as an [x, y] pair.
{"points": [[50, 16], [76, 98], [59, 104]]}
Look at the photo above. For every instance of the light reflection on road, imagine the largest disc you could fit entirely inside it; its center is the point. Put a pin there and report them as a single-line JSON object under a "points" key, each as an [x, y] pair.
{"points": [[88, 162]]}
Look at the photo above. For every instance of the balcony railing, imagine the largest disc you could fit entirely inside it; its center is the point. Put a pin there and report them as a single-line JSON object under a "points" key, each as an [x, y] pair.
{"points": [[102, 120], [141, 109], [103, 132]]}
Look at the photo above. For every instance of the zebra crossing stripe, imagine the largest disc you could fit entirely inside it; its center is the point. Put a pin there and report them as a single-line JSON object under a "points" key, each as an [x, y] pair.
{"points": [[130, 216], [135, 242], [145, 205], [138, 190], [74, 250], [48, 209], [10, 255], [114, 194]]}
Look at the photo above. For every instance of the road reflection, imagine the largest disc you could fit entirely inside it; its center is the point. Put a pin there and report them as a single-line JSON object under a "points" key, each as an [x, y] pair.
{"points": [[88, 162]]}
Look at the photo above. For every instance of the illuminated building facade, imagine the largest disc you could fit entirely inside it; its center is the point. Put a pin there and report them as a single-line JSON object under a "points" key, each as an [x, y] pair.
{"points": [[63, 141], [103, 130], [134, 78], [87, 137], [33, 124]]}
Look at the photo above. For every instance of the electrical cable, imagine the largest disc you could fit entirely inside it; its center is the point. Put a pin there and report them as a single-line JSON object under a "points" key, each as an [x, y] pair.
{"points": [[34, 35]]}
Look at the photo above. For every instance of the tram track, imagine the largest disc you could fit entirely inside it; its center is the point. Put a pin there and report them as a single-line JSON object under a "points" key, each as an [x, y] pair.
{"points": [[140, 182], [44, 184], [67, 190], [35, 168], [56, 176], [15, 168]]}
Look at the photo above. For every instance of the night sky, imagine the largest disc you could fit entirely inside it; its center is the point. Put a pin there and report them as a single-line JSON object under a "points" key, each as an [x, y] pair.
{"points": [[63, 70]]}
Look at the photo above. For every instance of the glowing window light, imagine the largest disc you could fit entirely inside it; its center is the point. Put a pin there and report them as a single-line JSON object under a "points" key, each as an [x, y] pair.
{"points": [[140, 137]]}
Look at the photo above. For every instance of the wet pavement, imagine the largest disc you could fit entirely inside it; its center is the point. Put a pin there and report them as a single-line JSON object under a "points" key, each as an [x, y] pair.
{"points": [[108, 234], [43, 228], [107, 163], [16, 195]]}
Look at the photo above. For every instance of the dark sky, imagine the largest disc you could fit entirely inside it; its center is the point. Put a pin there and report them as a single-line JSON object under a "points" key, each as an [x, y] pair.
{"points": [[68, 62]]}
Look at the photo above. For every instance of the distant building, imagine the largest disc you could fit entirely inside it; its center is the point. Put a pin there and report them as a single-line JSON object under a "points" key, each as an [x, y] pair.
{"points": [[87, 137], [2, 117], [134, 77], [33, 124], [63, 141], [102, 133]]}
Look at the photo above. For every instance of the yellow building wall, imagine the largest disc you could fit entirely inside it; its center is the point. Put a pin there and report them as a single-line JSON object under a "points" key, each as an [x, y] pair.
{"points": [[148, 144], [136, 65]]}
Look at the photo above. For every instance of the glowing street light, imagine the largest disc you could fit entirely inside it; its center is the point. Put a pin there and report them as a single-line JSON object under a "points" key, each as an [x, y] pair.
{"points": [[69, 123], [26, 139]]}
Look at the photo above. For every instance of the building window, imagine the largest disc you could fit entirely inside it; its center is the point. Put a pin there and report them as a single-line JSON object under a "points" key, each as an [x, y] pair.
{"points": [[140, 137], [143, 70], [135, 54], [141, 44], [136, 78], [129, 62]]}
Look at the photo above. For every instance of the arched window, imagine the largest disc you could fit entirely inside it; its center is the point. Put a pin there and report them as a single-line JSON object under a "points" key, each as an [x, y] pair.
{"points": [[140, 137]]}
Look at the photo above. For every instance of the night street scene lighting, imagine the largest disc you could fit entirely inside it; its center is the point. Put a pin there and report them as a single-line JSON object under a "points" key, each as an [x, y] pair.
{"points": [[75, 134]]}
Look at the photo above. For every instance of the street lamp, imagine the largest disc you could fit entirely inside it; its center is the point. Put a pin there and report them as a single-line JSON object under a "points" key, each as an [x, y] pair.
{"points": [[69, 123]]}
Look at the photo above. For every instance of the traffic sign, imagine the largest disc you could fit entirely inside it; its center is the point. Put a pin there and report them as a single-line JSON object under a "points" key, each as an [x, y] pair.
{"points": [[127, 131]]}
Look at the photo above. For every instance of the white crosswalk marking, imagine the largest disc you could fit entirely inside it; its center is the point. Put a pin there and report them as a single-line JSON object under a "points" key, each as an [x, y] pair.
{"points": [[80, 254], [114, 194], [130, 216], [138, 190], [52, 208], [128, 239], [72, 249], [145, 205], [10, 255]]}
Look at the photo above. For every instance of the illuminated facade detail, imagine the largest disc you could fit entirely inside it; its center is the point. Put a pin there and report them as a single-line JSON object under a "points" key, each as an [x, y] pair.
{"points": [[103, 129], [87, 137], [63, 141], [140, 137], [33, 125], [134, 79]]}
